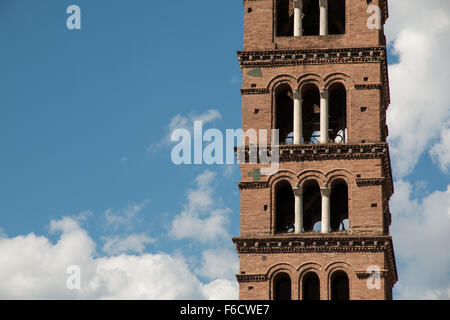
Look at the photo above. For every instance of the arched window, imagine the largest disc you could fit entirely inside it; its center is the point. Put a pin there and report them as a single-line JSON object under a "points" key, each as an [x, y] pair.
{"points": [[285, 18], [284, 117], [339, 206], [311, 114], [336, 16], [312, 205], [282, 287], [311, 286], [284, 207], [338, 113], [340, 286]]}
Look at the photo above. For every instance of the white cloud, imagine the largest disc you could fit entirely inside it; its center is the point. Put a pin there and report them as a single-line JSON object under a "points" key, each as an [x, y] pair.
{"points": [[221, 289], [420, 81], [203, 218], [31, 267], [124, 217], [219, 263], [421, 238], [184, 122], [440, 152], [131, 243]]}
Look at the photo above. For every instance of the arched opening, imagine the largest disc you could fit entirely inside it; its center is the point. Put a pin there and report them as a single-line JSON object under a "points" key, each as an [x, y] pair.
{"points": [[340, 286], [338, 113], [311, 114], [339, 206], [311, 17], [284, 208], [285, 18], [284, 117], [336, 17], [312, 205], [282, 287], [311, 287]]}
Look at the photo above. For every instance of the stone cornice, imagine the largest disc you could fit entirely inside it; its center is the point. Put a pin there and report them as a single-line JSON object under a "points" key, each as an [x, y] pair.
{"points": [[255, 91], [279, 58], [251, 278], [344, 151], [253, 185], [318, 243], [365, 275]]}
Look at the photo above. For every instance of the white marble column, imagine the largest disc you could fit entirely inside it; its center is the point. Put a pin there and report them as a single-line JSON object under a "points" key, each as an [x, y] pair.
{"points": [[298, 195], [323, 17], [326, 192], [298, 128], [324, 116], [298, 7]]}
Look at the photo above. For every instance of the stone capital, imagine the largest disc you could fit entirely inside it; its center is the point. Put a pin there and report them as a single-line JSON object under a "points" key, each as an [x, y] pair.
{"points": [[324, 93], [298, 4], [325, 191], [298, 191], [297, 95], [323, 3]]}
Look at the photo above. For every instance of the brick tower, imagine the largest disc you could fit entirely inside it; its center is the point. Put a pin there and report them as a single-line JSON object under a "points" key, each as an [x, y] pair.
{"points": [[318, 228]]}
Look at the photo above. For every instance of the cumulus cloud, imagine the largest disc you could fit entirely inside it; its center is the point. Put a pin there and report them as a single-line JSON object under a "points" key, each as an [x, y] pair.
{"points": [[32, 267], [440, 152], [203, 218], [219, 263], [184, 122], [221, 289], [420, 231], [420, 80], [132, 243]]}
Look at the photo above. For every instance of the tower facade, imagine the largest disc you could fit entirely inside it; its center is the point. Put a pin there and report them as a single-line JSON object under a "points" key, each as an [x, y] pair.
{"points": [[318, 227]]}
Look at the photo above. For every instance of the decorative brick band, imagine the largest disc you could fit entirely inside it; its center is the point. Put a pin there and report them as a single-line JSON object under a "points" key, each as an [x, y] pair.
{"points": [[278, 58], [251, 278], [365, 275], [373, 86], [370, 182], [305, 243], [255, 91], [253, 185], [325, 152]]}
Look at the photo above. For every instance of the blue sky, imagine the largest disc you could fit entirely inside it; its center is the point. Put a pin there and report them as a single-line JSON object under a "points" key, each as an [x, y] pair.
{"points": [[84, 118]]}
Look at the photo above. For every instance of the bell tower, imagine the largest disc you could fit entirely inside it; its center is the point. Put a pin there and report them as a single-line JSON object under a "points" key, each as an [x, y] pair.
{"points": [[318, 227]]}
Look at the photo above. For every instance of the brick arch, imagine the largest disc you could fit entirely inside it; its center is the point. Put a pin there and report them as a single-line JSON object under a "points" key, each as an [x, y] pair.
{"points": [[342, 174], [306, 268], [342, 78], [310, 78], [279, 80], [316, 175], [277, 269], [283, 175], [337, 266]]}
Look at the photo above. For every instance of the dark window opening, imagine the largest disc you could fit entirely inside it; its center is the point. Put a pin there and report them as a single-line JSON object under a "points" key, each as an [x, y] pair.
{"points": [[285, 18], [284, 208], [312, 206], [311, 287], [282, 287], [336, 17], [284, 106], [338, 113], [311, 114], [311, 18], [340, 286], [339, 206]]}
